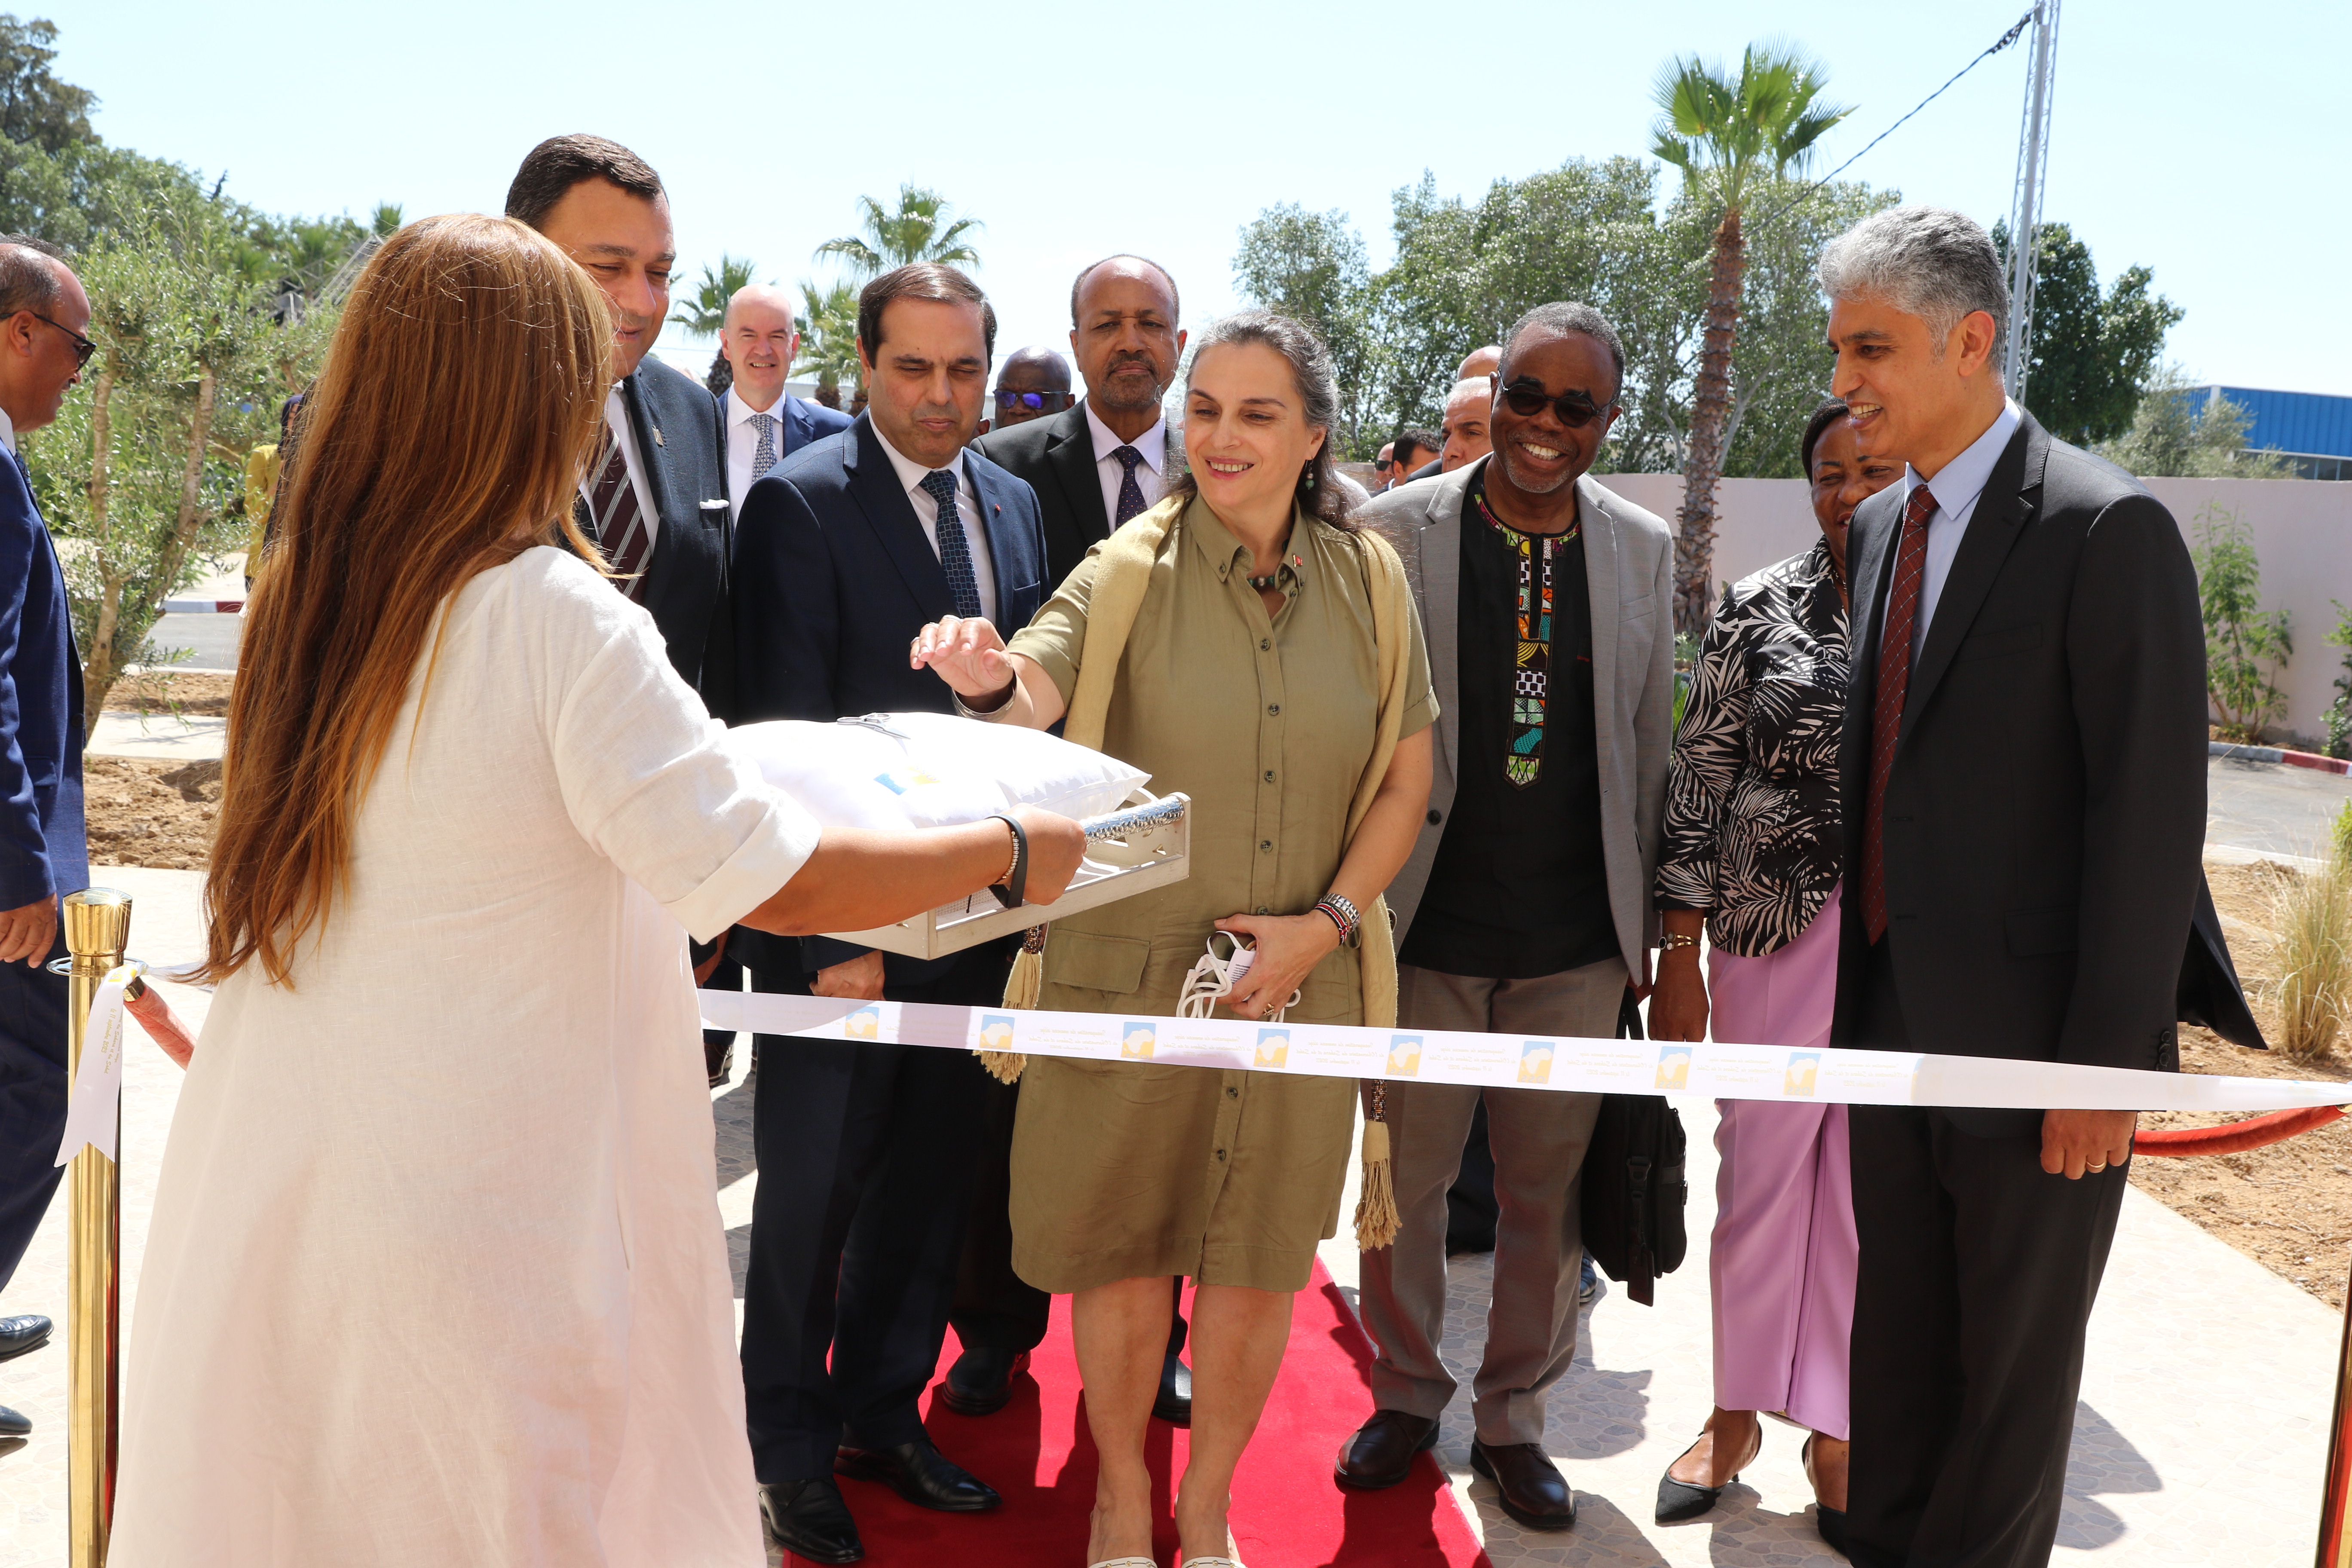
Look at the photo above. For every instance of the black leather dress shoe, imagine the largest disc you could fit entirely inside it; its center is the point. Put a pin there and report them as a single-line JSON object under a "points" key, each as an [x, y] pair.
{"points": [[1533, 1491], [809, 1519], [1173, 1404], [980, 1382], [17, 1335], [919, 1472], [1381, 1451], [13, 1425]]}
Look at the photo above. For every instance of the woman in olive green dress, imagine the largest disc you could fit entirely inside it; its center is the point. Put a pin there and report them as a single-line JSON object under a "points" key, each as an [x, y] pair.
{"points": [[1251, 679]]}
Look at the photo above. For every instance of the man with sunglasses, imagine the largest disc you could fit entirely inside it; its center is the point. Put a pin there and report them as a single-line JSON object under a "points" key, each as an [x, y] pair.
{"points": [[1524, 909], [44, 315], [1033, 384]]}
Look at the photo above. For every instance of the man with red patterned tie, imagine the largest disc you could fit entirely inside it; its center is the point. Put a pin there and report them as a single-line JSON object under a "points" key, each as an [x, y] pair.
{"points": [[654, 497], [2024, 784]]}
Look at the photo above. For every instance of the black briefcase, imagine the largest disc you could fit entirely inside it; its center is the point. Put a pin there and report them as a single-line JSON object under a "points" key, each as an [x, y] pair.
{"points": [[1635, 1185]]}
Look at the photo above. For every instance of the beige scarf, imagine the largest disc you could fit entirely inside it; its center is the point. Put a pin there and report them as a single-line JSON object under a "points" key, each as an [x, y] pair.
{"points": [[1122, 576]]}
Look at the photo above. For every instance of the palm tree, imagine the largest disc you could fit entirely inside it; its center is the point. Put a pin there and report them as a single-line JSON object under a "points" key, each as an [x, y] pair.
{"points": [[828, 338], [921, 230], [1727, 135], [707, 313]]}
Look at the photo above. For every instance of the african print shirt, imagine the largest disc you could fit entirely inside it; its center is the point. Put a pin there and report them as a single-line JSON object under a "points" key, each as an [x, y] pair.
{"points": [[1752, 832], [1531, 678]]}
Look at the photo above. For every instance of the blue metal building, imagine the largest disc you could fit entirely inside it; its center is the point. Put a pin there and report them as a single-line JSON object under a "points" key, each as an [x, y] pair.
{"points": [[2312, 430]]}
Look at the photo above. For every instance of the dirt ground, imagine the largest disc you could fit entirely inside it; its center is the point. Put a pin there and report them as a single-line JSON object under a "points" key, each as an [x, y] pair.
{"points": [[145, 813], [164, 690], [2288, 1206]]}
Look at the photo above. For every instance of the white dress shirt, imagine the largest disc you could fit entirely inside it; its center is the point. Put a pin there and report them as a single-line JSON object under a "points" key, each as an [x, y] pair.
{"points": [[616, 415], [1956, 490], [743, 438], [1150, 475], [911, 474], [7, 431]]}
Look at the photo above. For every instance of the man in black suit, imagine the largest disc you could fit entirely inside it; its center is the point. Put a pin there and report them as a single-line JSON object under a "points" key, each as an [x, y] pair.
{"points": [[866, 1151], [656, 497], [1093, 467], [764, 424], [2023, 780], [1099, 464]]}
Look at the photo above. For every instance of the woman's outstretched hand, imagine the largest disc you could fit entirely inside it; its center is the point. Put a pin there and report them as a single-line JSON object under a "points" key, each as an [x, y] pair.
{"points": [[1056, 845], [969, 655]]}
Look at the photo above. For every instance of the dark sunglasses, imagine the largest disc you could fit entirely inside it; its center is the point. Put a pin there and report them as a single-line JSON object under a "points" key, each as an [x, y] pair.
{"points": [[1035, 402], [1573, 409], [83, 347]]}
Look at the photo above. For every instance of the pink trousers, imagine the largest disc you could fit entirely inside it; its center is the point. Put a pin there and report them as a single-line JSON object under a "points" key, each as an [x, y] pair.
{"points": [[1784, 1248]]}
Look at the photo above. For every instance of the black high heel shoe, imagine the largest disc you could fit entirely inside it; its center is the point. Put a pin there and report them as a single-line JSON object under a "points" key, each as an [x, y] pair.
{"points": [[1679, 1500], [1829, 1522]]}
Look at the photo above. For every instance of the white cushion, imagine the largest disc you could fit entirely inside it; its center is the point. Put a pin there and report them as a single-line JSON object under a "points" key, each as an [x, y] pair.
{"points": [[931, 769]]}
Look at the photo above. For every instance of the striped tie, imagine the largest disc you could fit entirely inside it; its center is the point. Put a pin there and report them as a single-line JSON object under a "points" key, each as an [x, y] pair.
{"points": [[1887, 713], [613, 520], [764, 449]]}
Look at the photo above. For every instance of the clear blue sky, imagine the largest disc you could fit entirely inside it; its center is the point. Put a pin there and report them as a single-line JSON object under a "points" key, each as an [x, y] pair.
{"points": [[2205, 141]]}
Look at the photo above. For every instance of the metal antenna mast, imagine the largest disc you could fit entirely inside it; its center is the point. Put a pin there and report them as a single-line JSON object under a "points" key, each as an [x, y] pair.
{"points": [[2032, 174]]}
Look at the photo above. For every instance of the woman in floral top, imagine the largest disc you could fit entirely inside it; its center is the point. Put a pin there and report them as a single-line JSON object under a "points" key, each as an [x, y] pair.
{"points": [[1751, 852]]}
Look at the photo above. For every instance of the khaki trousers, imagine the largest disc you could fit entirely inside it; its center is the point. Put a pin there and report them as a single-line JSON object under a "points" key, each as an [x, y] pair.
{"points": [[1539, 1137]]}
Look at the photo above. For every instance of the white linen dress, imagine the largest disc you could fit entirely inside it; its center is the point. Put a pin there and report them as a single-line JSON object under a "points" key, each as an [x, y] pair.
{"points": [[436, 1275]]}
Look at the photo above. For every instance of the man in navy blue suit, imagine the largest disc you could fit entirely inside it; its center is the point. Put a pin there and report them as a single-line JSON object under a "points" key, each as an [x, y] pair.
{"points": [[764, 424], [43, 854], [654, 498], [866, 1152]]}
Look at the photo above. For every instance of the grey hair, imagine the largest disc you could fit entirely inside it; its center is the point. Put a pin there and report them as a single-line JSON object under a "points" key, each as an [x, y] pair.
{"points": [[1318, 488], [1929, 262], [28, 275], [1561, 317], [1478, 384]]}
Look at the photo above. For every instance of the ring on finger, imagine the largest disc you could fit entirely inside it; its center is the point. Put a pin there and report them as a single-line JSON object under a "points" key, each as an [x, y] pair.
{"points": [[2094, 1170]]}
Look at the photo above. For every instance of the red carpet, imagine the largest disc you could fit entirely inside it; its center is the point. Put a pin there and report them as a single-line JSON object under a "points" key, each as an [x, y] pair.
{"points": [[1286, 1512]]}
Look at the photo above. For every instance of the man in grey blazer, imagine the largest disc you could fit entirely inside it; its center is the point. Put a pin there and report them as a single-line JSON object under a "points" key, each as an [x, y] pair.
{"points": [[1525, 907]]}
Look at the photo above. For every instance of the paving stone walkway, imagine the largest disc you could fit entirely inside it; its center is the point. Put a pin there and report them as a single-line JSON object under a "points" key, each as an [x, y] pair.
{"points": [[2199, 1438]]}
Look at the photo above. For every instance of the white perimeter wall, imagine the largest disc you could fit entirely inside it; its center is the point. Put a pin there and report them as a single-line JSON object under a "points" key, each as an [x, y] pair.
{"points": [[2302, 534]]}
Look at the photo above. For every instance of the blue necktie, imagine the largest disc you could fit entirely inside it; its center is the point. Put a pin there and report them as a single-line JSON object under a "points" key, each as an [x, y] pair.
{"points": [[764, 449], [955, 551], [1130, 494]]}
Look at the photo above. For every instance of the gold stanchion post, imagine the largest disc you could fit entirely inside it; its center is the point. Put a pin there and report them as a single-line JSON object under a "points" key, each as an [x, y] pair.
{"points": [[2335, 1538], [97, 927]]}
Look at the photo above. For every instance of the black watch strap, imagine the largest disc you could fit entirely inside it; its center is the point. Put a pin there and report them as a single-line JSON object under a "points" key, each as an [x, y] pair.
{"points": [[1013, 890]]}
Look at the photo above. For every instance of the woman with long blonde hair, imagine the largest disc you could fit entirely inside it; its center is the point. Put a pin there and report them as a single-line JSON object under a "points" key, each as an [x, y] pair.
{"points": [[435, 1273]]}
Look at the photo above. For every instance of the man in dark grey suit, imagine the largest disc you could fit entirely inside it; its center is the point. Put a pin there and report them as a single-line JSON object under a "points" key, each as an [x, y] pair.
{"points": [[866, 1152], [654, 498], [2024, 783], [1097, 465], [1525, 905]]}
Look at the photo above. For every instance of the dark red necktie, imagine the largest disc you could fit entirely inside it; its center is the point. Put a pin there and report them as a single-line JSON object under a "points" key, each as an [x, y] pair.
{"points": [[1886, 716], [614, 520]]}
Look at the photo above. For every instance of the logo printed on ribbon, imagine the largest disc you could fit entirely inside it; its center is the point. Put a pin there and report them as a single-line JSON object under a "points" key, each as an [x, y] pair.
{"points": [[1674, 1067], [1135, 1039], [1404, 1055], [1534, 1061], [1804, 1074], [1273, 1049], [865, 1024], [995, 1032]]}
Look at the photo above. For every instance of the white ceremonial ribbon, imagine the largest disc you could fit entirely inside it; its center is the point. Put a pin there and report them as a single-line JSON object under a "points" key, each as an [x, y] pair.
{"points": [[93, 1112], [1516, 1061]]}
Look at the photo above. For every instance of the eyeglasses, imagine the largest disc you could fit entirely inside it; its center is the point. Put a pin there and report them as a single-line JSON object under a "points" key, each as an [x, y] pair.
{"points": [[83, 347], [1573, 409], [1035, 402]]}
